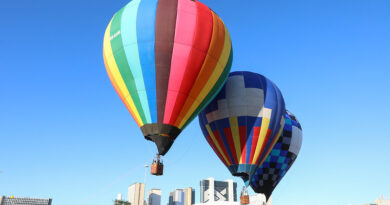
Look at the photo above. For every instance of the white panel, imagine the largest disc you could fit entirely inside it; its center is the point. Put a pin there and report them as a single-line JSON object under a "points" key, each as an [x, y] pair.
{"points": [[296, 140], [240, 101], [265, 112]]}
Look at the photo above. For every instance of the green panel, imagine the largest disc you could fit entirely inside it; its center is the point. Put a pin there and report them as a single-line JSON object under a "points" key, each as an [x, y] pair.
{"points": [[121, 61]]}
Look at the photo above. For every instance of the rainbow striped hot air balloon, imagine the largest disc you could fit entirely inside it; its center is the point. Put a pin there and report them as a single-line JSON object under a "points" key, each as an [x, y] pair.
{"points": [[243, 122], [166, 59]]}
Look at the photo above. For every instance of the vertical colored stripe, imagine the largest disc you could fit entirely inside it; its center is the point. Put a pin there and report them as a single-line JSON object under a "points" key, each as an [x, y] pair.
{"points": [[217, 78], [224, 146], [256, 132], [242, 131], [184, 35], [208, 138], [265, 147], [214, 91], [262, 137], [146, 18], [228, 133], [116, 78], [236, 136], [121, 60], [276, 138], [199, 48], [208, 68], [250, 121], [215, 142], [165, 36]]}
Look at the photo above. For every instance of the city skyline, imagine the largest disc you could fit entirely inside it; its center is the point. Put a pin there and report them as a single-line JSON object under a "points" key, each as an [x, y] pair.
{"points": [[66, 135]]}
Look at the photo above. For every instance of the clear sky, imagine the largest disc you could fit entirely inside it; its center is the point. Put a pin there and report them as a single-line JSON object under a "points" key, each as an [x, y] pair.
{"points": [[65, 134]]}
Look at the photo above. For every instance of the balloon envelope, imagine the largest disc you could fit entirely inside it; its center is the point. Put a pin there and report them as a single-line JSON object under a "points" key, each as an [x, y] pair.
{"points": [[166, 59], [243, 122], [280, 159]]}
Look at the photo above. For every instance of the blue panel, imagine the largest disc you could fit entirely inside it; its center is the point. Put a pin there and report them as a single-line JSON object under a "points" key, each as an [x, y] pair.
{"points": [[236, 73], [241, 121], [223, 123], [146, 20], [213, 106], [250, 121], [222, 93], [281, 159], [252, 81], [203, 123]]}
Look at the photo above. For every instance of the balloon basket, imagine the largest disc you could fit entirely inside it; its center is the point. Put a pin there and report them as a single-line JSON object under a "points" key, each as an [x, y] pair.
{"points": [[157, 167], [244, 199]]}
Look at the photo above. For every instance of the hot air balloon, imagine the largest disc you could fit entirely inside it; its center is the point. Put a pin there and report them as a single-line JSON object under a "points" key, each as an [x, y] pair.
{"points": [[280, 159], [166, 59], [243, 122]]}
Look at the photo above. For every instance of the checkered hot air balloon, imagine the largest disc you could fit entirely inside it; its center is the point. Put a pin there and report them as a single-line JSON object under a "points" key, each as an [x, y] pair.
{"points": [[280, 159], [166, 59], [243, 122]]}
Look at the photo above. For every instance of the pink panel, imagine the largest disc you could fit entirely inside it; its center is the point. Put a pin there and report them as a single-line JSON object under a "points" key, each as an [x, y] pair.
{"points": [[184, 36]]}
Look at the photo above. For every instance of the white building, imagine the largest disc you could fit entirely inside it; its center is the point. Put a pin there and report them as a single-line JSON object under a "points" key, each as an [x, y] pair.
{"points": [[212, 191], [136, 193], [154, 197], [220, 203], [259, 199], [382, 201], [182, 197]]}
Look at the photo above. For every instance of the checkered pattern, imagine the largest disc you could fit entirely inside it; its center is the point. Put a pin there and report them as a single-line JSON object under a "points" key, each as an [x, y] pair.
{"points": [[280, 159]]}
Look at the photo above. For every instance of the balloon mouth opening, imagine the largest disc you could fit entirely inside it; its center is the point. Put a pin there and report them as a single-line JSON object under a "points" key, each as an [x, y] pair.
{"points": [[163, 135], [244, 176]]}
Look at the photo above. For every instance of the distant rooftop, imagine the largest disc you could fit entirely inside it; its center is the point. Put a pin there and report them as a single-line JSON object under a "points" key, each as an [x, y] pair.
{"points": [[23, 201]]}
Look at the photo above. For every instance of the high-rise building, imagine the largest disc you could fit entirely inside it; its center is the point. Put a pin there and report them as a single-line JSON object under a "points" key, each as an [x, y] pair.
{"points": [[136, 193], [154, 197], [23, 201], [182, 197], [214, 191], [382, 201]]}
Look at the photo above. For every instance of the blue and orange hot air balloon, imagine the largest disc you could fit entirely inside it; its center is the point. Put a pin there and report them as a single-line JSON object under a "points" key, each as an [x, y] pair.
{"points": [[166, 59], [280, 159], [243, 122]]}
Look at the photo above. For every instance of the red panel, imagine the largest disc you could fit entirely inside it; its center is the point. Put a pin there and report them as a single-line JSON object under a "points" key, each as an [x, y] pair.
{"points": [[229, 136], [221, 145], [199, 47], [269, 132], [210, 141], [242, 131], [255, 137]]}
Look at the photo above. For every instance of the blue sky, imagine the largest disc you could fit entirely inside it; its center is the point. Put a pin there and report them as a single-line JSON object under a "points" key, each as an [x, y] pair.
{"points": [[65, 134]]}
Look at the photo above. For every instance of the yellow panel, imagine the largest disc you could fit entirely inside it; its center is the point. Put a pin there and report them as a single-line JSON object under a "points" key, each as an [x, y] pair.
{"points": [[236, 136], [217, 144], [213, 78], [275, 140], [112, 67], [262, 135]]}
